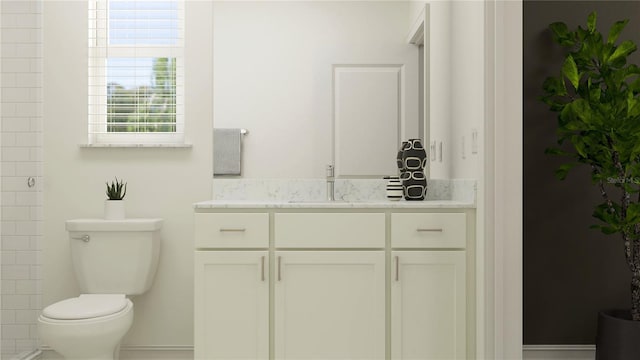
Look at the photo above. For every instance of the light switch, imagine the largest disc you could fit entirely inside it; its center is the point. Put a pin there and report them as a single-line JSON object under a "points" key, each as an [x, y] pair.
{"points": [[474, 141]]}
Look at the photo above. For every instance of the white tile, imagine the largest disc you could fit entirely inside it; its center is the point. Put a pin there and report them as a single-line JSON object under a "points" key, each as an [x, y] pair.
{"points": [[26, 316], [8, 287], [8, 316], [17, 302], [15, 213], [16, 272], [27, 287], [14, 65], [28, 80], [8, 168], [36, 125], [16, 154], [15, 7], [8, 257], [14, 183], [28, 168], [27, 109], [35, 242], [35, 302], [8, 110], [8, 198], [8, 347], [8, 140], [26, 198], [14, 124], [27, 139], [7, 228], [35, 154], [28, 21], [8, 79], [15, 331], [35, 272], [27, 228], [14, 242], [37, 213], [16, 94], [29, 257]]}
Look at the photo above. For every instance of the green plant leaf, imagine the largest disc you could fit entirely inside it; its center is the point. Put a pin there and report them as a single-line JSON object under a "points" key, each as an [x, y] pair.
{"points": [[591, 22], [615, 30], [622, 51], [562, 171], [570, 71]]}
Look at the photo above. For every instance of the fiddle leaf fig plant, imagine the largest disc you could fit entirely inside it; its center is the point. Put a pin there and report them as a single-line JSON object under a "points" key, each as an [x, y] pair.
{"points": [[597, 98], [116, 190]]}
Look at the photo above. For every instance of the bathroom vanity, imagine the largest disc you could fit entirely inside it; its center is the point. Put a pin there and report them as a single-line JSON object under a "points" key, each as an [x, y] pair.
{"points": [[334, 280]]}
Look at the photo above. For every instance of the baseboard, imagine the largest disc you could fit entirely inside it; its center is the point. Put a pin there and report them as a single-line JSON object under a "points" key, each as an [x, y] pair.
{"points": [[140, 352], [558, 352]]}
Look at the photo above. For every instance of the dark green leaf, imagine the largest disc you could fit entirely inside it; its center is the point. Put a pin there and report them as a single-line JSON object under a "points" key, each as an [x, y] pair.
{"points": [[591, 22], [570, 71], [622, 51], [615, 31]]}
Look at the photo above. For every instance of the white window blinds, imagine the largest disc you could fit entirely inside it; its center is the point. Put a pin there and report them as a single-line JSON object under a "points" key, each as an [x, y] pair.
{"points": [[136, 82]]}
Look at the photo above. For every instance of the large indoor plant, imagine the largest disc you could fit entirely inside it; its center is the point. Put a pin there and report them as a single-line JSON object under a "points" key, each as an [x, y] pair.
{"points": [[597, 98]]}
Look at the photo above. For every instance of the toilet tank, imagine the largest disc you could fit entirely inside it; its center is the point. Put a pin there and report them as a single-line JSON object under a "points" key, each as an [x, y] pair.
{"points": [[114, 256]]}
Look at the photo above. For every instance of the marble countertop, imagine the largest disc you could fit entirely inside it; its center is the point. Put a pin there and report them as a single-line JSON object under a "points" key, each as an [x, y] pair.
{"points": [[310, 204]]}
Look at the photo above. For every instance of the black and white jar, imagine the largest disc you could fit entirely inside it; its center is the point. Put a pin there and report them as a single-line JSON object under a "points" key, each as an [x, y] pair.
{"points": [[394, 188], [414, 160]]}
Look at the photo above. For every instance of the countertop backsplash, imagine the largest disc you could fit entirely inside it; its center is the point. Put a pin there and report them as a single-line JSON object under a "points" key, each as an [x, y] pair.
{"points": [[278, 190]]}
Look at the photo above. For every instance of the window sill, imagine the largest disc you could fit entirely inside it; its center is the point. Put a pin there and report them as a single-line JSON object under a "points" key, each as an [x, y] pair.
{"points": [[136, 145]]}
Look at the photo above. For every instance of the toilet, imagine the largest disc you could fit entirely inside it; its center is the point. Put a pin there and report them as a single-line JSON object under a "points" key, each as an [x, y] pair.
{"points": [[112, 260]]}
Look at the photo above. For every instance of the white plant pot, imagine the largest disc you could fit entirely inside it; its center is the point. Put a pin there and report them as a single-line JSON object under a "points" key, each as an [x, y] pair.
{"points": [[114, 209]]}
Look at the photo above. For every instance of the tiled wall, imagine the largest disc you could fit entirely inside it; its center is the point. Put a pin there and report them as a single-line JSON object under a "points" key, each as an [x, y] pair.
{"points": [[21, 151]]}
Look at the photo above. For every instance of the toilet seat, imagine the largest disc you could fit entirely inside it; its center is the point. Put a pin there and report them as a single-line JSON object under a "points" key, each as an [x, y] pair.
{"points": [[86, 306]]}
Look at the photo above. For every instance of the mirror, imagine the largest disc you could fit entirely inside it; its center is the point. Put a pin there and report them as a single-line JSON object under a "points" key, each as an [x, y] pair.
{"points": [[315, 83]]}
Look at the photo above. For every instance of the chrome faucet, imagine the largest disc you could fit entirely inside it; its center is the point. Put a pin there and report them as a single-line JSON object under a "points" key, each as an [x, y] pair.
{"points": [[330, 183]]}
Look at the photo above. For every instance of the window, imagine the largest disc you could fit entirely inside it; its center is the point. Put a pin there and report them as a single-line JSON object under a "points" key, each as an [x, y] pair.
{"points": [[136, 82]]}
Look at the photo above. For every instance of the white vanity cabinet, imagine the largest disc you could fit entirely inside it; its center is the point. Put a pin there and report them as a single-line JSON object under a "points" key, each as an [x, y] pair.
{"points": [[428, 286], [231, 305], [329, 305], [374, 283]]}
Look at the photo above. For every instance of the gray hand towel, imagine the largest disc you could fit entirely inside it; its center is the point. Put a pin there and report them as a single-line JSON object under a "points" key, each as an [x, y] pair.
{"points": [[227, 151]]}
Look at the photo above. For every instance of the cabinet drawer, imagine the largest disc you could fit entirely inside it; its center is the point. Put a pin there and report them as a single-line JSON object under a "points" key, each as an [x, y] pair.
{"points": [[231, 230], [428, 231], [339, 230]]}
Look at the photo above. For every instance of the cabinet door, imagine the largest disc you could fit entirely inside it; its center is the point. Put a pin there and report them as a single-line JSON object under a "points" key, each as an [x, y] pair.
{"points": [[428, 316], [231, 305], [330, 305]]}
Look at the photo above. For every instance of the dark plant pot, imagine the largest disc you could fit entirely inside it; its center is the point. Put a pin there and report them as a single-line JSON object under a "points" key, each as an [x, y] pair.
{"points": [[618, 336]]}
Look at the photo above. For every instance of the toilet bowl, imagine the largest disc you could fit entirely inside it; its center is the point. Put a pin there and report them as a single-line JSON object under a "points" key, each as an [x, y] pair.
{"points": [[90, 326]]}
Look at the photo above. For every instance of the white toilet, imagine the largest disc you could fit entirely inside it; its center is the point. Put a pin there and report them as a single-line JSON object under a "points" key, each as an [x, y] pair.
{"points": [[111, 259]]}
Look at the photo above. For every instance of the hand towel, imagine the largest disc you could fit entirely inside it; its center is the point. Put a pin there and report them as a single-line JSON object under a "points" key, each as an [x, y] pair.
{"points": [[227, 151]]}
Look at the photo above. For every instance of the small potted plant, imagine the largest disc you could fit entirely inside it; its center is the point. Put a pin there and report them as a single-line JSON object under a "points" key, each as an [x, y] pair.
{"points": [[114, 205]]}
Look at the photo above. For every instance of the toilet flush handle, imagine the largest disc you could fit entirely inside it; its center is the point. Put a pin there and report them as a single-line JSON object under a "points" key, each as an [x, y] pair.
{"points": [[84, 238]]}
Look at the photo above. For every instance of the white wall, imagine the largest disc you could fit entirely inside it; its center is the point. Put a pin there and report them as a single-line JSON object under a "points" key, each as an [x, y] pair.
{"points": [[272, 62], [21, 129], [467, 85], [161, 182]]}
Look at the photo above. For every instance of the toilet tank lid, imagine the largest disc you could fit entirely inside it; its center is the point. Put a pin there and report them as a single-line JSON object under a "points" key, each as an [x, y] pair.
{"points": [[113, 225], [86, 306]]}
